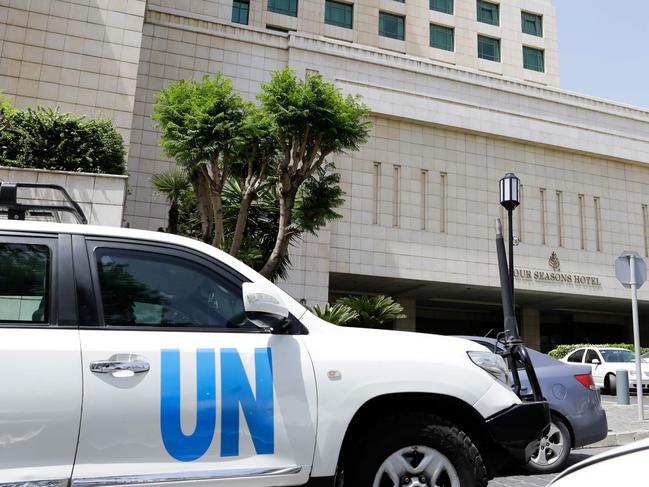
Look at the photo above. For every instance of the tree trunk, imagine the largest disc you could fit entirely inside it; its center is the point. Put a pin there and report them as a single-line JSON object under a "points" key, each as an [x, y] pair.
{"points": [[242, 218], [201, 190], [173, 218], [217, 211], [286, 204]]}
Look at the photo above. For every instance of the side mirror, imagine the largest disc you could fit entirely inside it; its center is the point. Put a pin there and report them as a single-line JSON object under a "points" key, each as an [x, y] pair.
{"points": [[265, 307], [595, 361]]}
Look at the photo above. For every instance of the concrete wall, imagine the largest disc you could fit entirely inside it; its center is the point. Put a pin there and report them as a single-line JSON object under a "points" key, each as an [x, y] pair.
{"points": [[427, 117], [79, 55], [100, 196]]}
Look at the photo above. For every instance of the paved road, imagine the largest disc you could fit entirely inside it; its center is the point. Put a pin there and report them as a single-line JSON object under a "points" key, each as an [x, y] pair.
{"points": [[521, 479]]}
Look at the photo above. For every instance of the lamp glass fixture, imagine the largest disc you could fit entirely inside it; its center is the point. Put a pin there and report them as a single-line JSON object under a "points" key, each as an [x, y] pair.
{"points": [[509, 191]]}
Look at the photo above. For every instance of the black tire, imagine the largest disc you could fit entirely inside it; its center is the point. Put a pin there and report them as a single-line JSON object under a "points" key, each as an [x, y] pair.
{"points": [[559, 461], [611, 384], [398, 431]]}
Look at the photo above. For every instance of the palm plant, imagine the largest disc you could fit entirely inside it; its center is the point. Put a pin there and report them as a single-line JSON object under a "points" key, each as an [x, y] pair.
{"points": [[373, 311], [174, 186], [338, 314]]}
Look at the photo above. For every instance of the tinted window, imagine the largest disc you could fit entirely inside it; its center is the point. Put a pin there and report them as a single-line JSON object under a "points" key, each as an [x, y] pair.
{"points": [[576, 356], [240, 10], [590, 356], [489, 48], [24, 283], [532, 24], [339, 14], [147, 289], [392, 26]]}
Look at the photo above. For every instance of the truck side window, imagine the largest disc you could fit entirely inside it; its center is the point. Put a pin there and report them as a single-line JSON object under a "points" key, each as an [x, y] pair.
{"points": [[160, 290], [24, 283], [576, 356]]}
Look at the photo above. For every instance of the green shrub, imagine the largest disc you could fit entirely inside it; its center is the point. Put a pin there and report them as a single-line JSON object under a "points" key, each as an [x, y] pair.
{"points": [[44, 138], [563, 350]]}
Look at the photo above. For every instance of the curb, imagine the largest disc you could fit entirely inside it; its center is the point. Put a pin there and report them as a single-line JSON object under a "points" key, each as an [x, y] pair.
{"points": [[619, 439]]}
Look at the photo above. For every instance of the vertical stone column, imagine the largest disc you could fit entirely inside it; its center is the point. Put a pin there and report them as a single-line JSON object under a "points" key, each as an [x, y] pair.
{"points": [[409, 323], [531, 327]]}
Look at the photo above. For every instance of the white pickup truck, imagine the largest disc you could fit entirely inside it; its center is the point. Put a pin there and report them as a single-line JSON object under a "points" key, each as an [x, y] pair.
{"points": [[130, 357]]}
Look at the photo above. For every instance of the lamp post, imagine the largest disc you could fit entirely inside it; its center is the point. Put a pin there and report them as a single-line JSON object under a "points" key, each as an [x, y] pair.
{"points": [[509, 199]]}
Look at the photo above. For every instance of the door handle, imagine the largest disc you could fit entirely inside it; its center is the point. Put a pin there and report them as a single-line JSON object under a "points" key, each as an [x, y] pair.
{"points": [[111, 366]]}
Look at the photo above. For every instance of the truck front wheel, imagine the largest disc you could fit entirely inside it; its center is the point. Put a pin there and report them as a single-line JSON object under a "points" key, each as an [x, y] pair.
{"points": [[415, 449]]}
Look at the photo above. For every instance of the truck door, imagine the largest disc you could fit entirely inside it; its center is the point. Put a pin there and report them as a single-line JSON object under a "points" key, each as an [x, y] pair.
{"points": [[40, 368], [178, 385]]}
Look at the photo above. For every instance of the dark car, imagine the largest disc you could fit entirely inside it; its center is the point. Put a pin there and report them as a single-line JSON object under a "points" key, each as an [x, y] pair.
{"points": [[577, 415]]}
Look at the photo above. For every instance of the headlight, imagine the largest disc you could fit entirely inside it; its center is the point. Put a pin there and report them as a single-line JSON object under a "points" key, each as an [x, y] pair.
{"points": [[492, 363]]}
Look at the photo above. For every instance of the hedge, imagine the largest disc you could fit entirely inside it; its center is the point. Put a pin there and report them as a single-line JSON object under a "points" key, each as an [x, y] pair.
{"points": [[563, 350], [44, 138]]}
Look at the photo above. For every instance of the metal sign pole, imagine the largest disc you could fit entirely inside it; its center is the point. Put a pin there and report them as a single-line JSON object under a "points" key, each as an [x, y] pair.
{"points": [[636, 336]]}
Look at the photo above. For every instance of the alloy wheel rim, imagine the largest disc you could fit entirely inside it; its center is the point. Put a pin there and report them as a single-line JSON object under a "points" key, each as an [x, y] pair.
{"points": [[550, 448], [416, 466]]}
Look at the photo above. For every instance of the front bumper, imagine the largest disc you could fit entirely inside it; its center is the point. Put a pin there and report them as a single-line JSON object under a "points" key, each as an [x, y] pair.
{"points": [[519, 428]]}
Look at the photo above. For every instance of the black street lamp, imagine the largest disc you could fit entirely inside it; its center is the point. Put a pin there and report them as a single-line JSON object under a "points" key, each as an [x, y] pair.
{"points": [[509, 199]]}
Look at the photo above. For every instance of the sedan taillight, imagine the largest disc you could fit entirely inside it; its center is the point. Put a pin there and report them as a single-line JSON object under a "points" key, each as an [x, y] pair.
{"points": [[586, 380]]}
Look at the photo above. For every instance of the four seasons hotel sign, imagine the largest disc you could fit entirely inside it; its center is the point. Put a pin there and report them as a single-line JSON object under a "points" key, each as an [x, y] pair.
{"points": [[555, 275]]}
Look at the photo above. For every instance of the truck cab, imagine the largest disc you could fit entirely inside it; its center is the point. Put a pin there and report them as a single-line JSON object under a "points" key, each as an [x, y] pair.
{"points": [[131, 357]]}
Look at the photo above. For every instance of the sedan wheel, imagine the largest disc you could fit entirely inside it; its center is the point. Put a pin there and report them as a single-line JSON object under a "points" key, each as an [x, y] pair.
{"points": [[417, 466], [553, 451]]}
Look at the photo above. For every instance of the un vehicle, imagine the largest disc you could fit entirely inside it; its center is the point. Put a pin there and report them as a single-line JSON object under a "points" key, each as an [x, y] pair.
{"points": [[130, 357]]}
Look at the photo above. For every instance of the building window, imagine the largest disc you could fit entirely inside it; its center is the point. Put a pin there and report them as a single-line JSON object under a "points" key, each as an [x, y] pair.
{"points": [[488, 12], [533, 59], [442, 37], [444, 6], [645, 226], [489, 48], [582, 221], [443, 195], [377, 192], [339, 14], [240, 11], [393, 26], [285, 7], [560, 218], [598, 225], [542, 216], [520, 213], [424, 199], [532, 24], [396, 203]]}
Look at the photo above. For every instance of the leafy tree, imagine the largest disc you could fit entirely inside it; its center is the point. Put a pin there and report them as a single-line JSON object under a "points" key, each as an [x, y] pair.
{"points": [[373, 311], [174, 185], [44, 138], [256, 156], [201, 124], [338, 314], [314, 120], [260, 177]]}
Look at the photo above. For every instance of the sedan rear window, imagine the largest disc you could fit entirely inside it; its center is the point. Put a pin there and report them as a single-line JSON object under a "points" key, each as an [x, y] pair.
{"points": [[576, 356]]}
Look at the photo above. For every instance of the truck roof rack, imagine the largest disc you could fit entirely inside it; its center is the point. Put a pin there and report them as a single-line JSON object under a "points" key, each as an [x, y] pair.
{"points": [[15, 210]]}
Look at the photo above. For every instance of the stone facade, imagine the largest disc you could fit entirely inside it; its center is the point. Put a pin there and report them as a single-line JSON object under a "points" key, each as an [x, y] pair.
{"points": [[79, 55], [422, 193]]}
